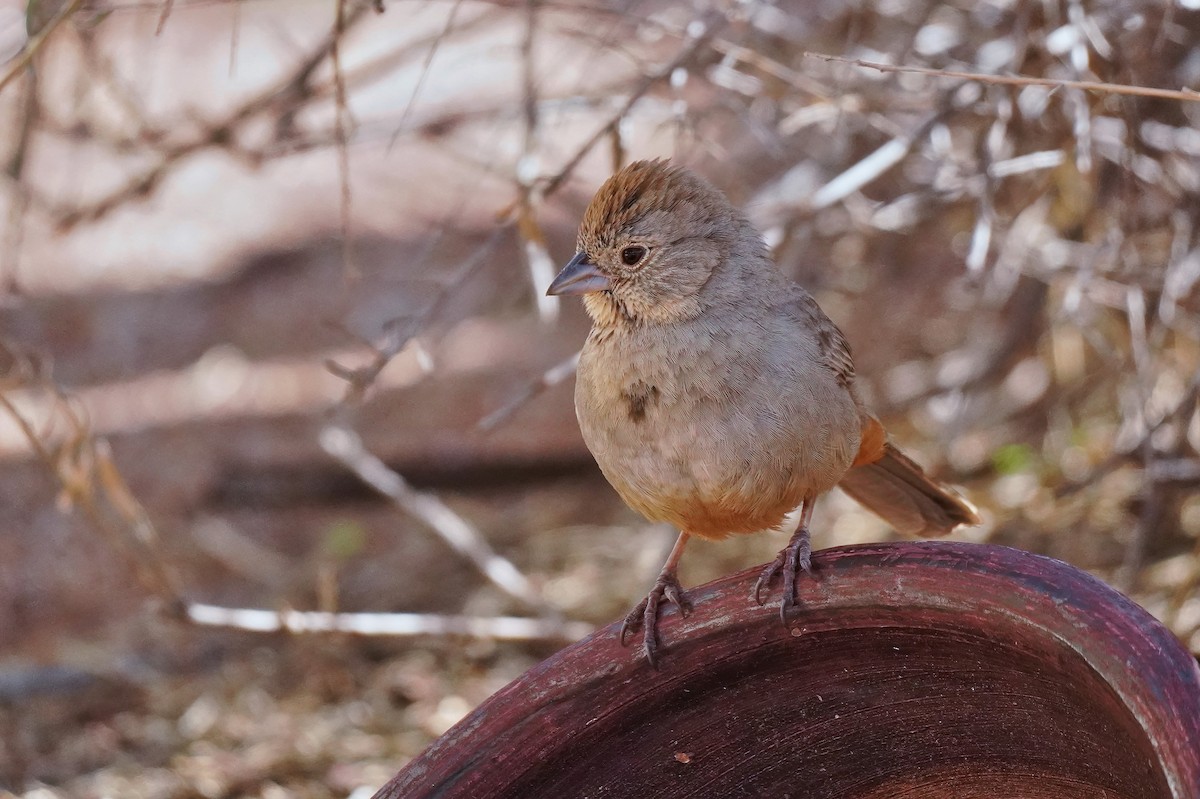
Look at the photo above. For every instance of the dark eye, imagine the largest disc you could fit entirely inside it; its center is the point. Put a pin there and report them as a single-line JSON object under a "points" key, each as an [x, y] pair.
{"points": [[633, 255]]}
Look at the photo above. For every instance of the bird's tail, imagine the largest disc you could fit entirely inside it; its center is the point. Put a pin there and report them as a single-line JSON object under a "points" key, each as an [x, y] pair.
{"points": [[896, 488]]}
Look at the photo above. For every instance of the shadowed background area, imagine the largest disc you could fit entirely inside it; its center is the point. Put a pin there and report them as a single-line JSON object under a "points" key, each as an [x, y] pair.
{"points": [[255, 255]]}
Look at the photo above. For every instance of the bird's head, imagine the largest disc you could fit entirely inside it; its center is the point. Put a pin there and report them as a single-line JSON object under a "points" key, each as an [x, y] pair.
{"points": [[651, 242]]}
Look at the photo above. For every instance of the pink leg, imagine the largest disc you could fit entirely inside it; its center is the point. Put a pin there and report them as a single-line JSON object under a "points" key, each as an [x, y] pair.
{"points": [[645, 615], [792, 559]]}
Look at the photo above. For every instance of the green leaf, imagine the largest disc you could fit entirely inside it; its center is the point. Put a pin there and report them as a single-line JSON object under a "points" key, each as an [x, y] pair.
{"points": [[1013, 458]]}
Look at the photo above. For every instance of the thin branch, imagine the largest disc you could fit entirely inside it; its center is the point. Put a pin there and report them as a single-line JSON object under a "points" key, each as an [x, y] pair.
{"points": [[91, 481], [1174, 470], [537, 257], [235, 36], [709, 27], [1185, 590], [873, 165], [23, 60], [240, 554], [85, 470], [101, 66], [14, 229], [796, 80], [167, 7], [399, 332], [550, 378], [290, 92], [1178, 415], [430, 53], [504, 628], [396, 335], [347, 447], [341, 124], [1186, 95]]}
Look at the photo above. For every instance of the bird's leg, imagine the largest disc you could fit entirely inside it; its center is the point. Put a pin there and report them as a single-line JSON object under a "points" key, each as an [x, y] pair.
{"points": [[792, 559], [645, 615]]}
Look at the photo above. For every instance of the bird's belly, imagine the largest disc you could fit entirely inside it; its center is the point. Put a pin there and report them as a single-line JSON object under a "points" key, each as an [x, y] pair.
{"points": [[714, 476], [712, 508]]}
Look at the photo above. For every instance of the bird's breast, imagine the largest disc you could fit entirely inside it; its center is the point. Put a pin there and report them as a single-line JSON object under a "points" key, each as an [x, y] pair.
{"points": [[697, 428]]}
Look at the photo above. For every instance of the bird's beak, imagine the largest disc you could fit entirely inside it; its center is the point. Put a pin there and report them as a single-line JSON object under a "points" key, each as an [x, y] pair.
{"points": [[579, 276]]}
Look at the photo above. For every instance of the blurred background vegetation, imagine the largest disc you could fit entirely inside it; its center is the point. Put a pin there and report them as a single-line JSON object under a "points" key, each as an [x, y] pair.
{"points": [[271, 319]]}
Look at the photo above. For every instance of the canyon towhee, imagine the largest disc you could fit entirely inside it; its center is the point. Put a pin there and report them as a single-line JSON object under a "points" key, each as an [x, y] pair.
{"points": [[713, 391]]}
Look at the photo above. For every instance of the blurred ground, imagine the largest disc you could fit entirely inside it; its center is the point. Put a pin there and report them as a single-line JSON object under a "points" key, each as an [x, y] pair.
{"points": [[186, 247]]}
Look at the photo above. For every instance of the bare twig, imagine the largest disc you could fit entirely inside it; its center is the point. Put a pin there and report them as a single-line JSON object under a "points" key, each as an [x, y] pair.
{"points": [[1178, 416], [1185, 95], [241, 554], [1175, 470], [396, 335], [235, 36], [985, 218], [1185, 590], [874, 165], [504, 628], [345, 445], [400, 332], [537, 256], [341, 123], [550, 378], [100, 65], [92, 483], [167, 7], [18, 64], [1182, 274], [705, 29], [283, 98], [14, 229], [430, 53], [797, 80]]}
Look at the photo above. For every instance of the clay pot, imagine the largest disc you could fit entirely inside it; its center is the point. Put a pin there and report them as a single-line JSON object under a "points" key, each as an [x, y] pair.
{"points": [[914, 670]]}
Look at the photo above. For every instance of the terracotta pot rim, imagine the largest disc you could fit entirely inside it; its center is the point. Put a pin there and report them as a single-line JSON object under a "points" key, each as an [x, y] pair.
{"points": [[1147, 667]]}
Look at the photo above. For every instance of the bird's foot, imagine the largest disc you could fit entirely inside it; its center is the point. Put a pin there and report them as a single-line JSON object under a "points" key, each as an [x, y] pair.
{"points": [[796, 557], [645, 615]]}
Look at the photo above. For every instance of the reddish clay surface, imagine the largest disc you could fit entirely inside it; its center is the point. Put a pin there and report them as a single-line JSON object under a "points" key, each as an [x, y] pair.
{"points": [[914, 670]]}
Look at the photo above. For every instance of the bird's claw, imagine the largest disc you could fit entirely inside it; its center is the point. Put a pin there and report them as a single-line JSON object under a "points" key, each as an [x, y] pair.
{"points": [[645, 615], [796, 557], [766, 577]]}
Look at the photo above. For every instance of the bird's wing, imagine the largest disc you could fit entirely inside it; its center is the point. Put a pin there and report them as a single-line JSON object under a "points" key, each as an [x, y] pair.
{"points": [[832, 346]]}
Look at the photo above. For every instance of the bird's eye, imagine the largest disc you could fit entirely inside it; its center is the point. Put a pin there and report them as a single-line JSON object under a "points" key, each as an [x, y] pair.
{"points": [[632, 256]]}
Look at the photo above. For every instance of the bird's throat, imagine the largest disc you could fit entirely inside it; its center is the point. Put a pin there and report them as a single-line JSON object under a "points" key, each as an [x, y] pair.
{"points": [[606, 310]]}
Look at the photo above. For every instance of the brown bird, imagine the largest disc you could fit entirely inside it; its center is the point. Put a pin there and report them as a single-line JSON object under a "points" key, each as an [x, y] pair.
{"points": [[714, 392]]}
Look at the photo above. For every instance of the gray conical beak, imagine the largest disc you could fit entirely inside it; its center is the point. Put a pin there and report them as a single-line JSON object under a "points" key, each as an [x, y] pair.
{"points": [[579, 276]]}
